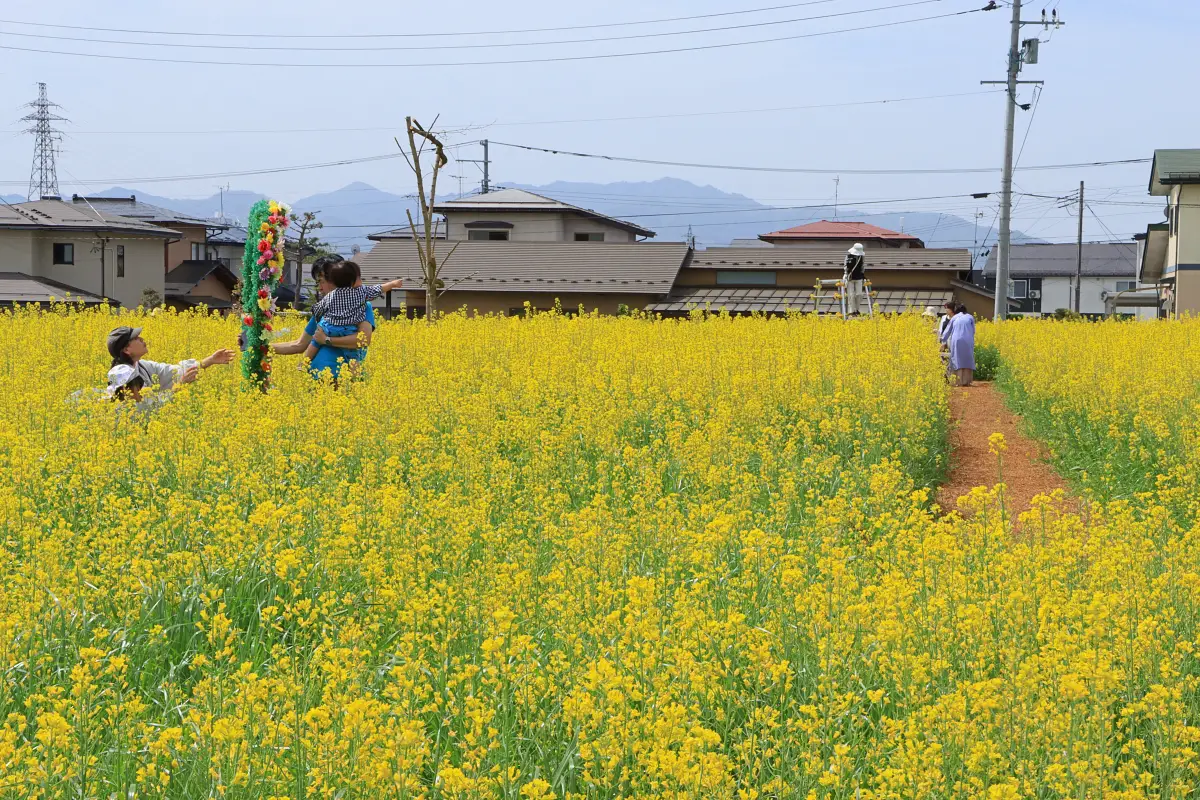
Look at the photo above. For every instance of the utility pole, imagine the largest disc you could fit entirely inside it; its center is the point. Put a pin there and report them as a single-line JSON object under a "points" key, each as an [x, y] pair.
{"points": [[975, 249], [1018, 54], [222, 190], [837, 182], [43, 178], [486, 186], [1079, 254], [486, 164]]}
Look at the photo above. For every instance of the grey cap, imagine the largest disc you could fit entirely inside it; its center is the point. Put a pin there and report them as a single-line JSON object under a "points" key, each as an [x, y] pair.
{"points": [[118, 338]]}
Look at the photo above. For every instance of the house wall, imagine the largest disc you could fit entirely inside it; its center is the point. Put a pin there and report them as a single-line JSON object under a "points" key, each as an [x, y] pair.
{"points": [[16, 251], [535, 226], [978, 305], [231, 252], [143, 265], [573, 224], [1183, 249], [1056, 294], [178, 252], [504, 302], [527, 226], [211, 287], [1059, 292]]}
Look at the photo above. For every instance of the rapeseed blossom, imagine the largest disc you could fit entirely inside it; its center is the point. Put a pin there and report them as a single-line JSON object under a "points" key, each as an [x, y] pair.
{"points": [[564, 557]]}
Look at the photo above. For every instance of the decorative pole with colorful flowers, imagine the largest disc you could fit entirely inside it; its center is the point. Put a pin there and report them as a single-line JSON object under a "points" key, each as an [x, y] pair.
{"points": [[262, 266]]}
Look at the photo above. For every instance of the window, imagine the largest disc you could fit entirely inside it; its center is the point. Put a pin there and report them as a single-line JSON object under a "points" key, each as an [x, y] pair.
{"points": [[487, 236], [120, 261], [748, 277], [197, 252], [1018, 290], [1126, 286], [589, 237], [64, 253]]}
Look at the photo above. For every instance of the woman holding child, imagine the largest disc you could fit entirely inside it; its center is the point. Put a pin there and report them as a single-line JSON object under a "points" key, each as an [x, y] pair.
{"points": [[339, 330]]}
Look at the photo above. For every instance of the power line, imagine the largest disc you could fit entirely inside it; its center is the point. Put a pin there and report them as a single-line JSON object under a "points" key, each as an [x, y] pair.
{"points": [[1032, 116], [759, 209], [474, 46], [497, 62], [239, 173], [816, 171], [592, 26], [261, 131]]}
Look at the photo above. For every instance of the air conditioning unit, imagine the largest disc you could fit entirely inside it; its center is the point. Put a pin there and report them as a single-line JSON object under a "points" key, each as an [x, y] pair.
{"points": [[1035, 294]]}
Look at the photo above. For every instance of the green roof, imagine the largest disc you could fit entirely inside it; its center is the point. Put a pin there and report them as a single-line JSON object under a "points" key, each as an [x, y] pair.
{"points": [[1173, 166]]}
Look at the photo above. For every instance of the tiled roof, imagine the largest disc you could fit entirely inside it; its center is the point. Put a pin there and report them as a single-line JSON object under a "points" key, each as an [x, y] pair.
{"points": [[1100, 259], [132, 208], [17, 287], [849, 231], [776, 258], [779, 301], [510, 200], [625, 267], [233, 235], [60, 216]]}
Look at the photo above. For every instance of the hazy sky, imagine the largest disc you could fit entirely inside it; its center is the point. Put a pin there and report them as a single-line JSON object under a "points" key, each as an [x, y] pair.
{"points": [[1116, 88]]}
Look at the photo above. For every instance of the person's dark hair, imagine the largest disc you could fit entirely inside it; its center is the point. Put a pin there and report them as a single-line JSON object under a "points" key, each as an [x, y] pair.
{"points": [[123, 392], [343, 274], [960, 309], [320, 267], [121, 358], [950, 305]]}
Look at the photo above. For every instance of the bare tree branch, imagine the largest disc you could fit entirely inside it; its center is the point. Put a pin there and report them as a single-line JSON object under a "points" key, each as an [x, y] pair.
{"points": [[427, 250]]}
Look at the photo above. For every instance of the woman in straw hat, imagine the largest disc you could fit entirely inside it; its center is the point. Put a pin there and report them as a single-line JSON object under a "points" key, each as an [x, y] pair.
{"points": [[854, 275]]}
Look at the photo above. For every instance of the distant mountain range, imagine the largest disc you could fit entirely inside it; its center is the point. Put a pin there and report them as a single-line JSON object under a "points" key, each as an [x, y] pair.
{"points": [[669, 206]]}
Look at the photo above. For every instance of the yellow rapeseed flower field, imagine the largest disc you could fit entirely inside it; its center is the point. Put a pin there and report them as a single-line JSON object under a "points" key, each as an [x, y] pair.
{"points": [[563, 557], [1118, 403]]}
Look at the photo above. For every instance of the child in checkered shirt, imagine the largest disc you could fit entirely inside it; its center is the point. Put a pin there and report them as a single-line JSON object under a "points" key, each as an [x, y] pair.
{"points": [[340, 312]]}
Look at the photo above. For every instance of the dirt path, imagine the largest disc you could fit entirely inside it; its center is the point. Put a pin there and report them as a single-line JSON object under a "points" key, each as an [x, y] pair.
{"points": [[977, 412]]}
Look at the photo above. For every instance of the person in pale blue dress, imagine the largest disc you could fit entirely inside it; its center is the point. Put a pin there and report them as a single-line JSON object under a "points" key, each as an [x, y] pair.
{"points": [[959, 335]]}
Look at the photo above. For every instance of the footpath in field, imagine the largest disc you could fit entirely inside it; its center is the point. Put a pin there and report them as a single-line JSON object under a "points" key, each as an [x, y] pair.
{"points": [[976, 413]]}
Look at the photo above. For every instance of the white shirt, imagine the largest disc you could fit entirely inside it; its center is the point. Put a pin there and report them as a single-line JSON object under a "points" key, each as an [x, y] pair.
{"points": [[154, 374]]}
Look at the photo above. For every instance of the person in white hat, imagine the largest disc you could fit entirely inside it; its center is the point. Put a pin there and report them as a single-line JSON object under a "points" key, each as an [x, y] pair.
{"points": [[854, 275], [131, 374]]}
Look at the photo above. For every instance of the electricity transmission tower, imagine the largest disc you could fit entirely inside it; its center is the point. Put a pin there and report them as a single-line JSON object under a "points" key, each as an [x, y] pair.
{"points": [[43, 180]]}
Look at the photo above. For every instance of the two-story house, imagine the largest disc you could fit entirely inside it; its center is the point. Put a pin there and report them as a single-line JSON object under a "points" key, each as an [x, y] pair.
{"points": [[1042, 277], [504, 249], [51, 248], [191, 233], [192, 273], [1169, 253]]}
